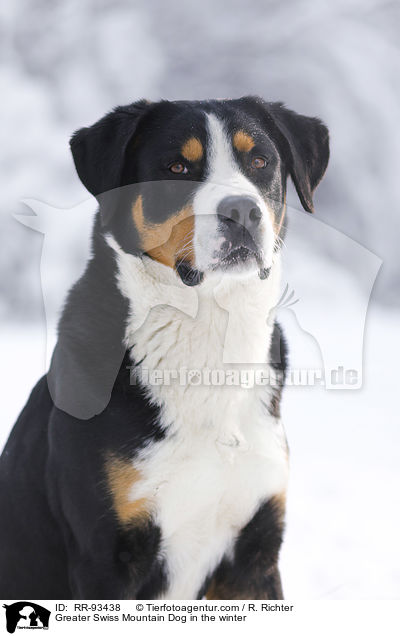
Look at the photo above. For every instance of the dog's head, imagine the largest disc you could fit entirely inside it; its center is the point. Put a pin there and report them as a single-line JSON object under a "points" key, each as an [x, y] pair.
{"points": [[200, 186]]}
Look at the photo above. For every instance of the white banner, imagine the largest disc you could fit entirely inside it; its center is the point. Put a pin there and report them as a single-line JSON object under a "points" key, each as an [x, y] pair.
{"points": [[322, 618]]}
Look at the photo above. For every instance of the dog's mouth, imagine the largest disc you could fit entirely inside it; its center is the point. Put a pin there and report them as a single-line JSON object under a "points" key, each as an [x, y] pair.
{"points": [[188, 274], [243, 255], [237, 255], [234, 257]]}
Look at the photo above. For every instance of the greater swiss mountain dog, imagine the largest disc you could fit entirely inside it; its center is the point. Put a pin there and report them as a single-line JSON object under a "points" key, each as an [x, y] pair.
{"points": [[140, 467]]}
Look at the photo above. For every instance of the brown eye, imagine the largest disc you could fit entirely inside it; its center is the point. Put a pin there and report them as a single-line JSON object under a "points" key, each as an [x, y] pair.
{"points": [[178, 168], [258, 162]]}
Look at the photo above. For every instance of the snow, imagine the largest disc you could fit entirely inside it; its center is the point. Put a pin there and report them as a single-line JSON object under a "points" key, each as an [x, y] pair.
{"points": [[344, 493]]}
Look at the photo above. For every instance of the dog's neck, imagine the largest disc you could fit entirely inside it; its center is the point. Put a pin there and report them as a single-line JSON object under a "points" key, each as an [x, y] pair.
{"points": [[176, 333], [225, 319]]}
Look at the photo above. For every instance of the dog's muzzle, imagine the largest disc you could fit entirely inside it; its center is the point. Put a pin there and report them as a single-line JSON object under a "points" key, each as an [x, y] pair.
{"points": [[239, 219]]}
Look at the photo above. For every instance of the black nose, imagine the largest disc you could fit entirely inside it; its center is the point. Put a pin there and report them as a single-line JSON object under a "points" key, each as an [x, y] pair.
{"points": [[241, 210]]}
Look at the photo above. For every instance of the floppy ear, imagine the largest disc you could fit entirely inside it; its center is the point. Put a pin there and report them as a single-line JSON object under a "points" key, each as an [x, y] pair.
{"points": [[99, 151], [305, 143]]}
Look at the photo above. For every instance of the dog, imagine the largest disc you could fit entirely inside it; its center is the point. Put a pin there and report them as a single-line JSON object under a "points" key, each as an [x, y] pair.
{"points": [[131, 473]]}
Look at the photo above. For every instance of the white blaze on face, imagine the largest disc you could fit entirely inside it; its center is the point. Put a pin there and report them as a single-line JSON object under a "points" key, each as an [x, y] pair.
{"points": [[224, 179]]}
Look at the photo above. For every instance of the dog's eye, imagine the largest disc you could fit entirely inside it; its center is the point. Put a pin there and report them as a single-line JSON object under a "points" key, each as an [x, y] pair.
{"points": [[178, 168], [258, 162]]}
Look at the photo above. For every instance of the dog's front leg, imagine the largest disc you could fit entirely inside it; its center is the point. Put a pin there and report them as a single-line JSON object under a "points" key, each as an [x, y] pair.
{"points": [[230, 585], [116, 563], [252, 570]]}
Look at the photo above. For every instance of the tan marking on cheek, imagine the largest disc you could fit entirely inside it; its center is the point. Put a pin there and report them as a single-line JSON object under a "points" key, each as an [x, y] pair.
{"points": [[278, 226], [192, 149], [168, 241], [137, 215], [276, 223], [242, 141], [121, 476]]}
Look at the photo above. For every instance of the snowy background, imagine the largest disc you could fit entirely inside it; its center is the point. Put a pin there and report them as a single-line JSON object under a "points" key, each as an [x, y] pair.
{"points": [[64, 64]]}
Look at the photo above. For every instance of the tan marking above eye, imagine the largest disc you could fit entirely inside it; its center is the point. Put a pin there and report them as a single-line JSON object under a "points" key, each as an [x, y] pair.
{"points": [[242, 141], [192, 149], [168, 241], [121, 476]]}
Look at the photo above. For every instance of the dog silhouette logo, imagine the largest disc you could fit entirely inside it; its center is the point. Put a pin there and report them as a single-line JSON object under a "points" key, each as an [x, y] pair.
{"points": [[26, 615]]}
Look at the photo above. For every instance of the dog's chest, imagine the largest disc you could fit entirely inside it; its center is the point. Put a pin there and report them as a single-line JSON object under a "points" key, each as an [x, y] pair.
{"points": [[223, 454], [202, 488]]}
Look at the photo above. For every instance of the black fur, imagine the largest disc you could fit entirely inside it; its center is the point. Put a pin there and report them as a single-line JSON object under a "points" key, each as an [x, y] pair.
{"points": [[278, 359]]}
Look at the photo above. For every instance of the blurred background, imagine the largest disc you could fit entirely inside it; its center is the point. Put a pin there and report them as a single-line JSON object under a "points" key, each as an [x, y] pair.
{"points": [[63, 65]]}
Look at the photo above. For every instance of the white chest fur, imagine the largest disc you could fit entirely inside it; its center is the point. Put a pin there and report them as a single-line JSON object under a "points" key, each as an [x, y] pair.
{"points": [[223, 454]]}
